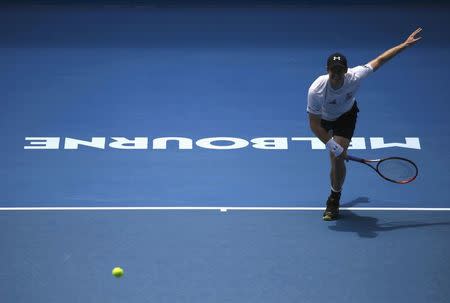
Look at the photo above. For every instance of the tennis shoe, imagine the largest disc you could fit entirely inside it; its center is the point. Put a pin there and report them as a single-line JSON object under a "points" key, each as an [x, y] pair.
{"points": [[332, 211]]}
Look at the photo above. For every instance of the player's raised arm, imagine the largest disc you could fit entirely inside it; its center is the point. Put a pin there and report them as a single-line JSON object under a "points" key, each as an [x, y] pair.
{"points": [[389, 54]]}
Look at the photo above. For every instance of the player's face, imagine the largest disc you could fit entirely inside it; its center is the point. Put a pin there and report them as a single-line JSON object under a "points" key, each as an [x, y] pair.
{"points": [[336, 75]]}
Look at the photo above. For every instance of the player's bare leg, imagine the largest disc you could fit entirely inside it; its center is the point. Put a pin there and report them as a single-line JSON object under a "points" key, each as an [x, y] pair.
{"points": [[337, 177], [338, 169]]}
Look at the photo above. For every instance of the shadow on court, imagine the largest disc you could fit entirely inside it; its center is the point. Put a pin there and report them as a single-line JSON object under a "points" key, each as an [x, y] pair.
{"points": [[369, 227]]}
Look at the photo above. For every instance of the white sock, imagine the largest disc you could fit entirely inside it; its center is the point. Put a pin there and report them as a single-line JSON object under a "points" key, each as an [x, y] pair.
{"points": [[336, 191]]}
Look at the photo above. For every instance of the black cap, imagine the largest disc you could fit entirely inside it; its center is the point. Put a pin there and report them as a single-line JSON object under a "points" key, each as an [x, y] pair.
{"points": [[336, 59]]}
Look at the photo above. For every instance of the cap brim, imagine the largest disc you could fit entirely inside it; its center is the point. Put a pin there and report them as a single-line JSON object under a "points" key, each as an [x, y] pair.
{"points": [[337, 64]]}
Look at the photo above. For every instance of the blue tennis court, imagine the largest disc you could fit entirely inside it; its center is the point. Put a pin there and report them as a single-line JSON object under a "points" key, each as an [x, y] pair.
{"points": [[172, 140]]}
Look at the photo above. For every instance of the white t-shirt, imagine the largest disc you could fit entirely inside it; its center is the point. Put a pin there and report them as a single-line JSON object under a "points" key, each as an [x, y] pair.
{"points": [[329, 103]]}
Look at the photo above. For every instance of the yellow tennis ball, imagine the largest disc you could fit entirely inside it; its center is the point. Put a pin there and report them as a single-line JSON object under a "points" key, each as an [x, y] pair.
{"points": [[117, 272]]}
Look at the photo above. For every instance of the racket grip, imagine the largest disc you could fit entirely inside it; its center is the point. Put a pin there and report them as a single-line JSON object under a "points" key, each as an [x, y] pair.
{"points": [[353, 158]]}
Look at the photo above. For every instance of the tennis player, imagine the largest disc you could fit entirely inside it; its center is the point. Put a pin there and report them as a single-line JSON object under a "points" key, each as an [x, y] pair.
{"points": [[332, 111]]}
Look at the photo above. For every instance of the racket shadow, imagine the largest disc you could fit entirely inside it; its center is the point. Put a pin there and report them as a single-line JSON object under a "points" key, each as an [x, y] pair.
{"points": [[369, 226]]}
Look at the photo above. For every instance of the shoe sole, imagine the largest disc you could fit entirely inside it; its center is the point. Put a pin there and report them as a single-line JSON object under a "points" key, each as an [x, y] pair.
{"points": [[329, 218]]}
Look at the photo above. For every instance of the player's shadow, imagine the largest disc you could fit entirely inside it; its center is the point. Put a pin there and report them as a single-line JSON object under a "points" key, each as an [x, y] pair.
{"points": [[369, 227]]}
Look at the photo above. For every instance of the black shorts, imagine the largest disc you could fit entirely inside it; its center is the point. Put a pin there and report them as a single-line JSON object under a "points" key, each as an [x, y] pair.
{"points": [[344, 126]]}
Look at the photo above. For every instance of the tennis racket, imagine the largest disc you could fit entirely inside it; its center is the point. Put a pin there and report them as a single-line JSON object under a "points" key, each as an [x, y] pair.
{"points": [[394, 169]]}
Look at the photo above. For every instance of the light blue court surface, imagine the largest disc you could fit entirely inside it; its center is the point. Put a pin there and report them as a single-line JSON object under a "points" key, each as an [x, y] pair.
{"points": [[225, 80]]}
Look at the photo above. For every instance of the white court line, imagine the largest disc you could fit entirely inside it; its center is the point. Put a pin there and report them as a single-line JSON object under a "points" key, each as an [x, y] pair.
{"points": [[221, 208]]}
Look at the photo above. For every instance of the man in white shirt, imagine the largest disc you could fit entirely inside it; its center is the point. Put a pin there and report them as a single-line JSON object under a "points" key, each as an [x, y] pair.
{"points": [[332, 111]]}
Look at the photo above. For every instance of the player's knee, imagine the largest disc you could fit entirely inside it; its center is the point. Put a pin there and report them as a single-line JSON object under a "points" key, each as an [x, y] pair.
{"points": [[340, 160]]}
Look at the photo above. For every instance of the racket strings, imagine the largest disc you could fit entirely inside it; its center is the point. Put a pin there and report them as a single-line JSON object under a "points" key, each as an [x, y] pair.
{"points": [[397, 170]]}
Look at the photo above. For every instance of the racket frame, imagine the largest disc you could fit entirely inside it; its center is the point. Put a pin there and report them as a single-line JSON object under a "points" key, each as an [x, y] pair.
{"points": [[378, 161]]}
